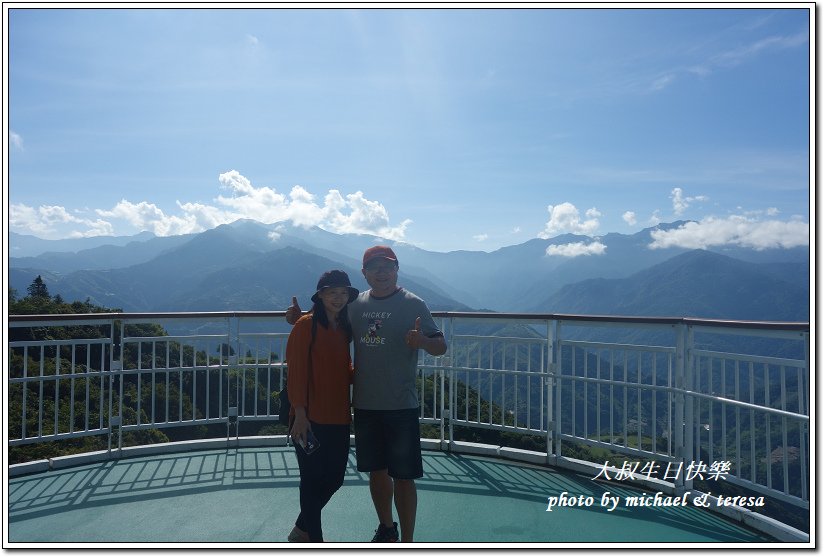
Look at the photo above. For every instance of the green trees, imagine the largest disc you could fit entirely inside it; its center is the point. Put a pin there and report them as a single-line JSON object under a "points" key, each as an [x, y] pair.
{"points": [[37, 289], [63, 388], [39, 301]]}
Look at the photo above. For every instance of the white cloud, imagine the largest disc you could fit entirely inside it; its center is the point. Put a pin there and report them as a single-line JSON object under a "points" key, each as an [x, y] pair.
{"points": [[741, 54], [353, 213], [700, 70], [681, 203], [55, 214], [655, 219], [301, 208], [364, 217], [47, 220], [16, 140], [516, 230], [736, 231], [731, 58], [576, 249], [480, 237], [566, 218], [25, 218], [97, 227], [720, 61], [206, 216], [148, 216], [630, 218], [261, 204], [662, 82]]}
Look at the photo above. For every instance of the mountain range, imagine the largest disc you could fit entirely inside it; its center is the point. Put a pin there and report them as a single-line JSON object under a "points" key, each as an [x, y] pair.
{"points": [[248, 265]]}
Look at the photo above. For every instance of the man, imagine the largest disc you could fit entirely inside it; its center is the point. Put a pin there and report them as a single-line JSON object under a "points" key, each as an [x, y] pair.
{"points": [[389, 325]]}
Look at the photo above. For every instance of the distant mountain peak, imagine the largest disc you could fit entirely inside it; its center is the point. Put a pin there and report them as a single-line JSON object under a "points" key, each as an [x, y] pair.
{"points": [[150, 273]]}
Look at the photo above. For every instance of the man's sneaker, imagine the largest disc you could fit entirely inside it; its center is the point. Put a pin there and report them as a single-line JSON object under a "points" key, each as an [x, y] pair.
{"points": [[386, 534]]}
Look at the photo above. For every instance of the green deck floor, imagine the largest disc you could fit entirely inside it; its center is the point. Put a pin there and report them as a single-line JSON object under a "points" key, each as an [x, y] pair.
{"points": [[250, 496]]}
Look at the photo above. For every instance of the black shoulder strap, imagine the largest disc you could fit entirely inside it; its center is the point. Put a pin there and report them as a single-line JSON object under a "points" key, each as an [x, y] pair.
{"points": [[314, 332]]}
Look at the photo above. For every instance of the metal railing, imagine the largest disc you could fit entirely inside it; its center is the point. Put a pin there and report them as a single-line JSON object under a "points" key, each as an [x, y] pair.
{"points": [[666, 392]]}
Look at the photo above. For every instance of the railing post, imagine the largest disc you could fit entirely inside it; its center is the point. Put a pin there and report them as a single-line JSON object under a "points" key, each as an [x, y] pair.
{"points": [[679, 450], [804, 427], [116, 369], [553, 392], [452, 395], [689, 402], [446, 361], [231, 421], [233, 339], [111, 362], [807, 375]]}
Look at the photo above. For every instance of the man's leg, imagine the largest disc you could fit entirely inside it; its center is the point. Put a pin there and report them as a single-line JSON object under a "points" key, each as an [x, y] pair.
{"points": [[382, 488], [406, 501], [405, 464]]}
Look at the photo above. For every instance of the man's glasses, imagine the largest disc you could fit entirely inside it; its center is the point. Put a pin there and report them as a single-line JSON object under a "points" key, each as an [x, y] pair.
{"points": [[380, 268]]}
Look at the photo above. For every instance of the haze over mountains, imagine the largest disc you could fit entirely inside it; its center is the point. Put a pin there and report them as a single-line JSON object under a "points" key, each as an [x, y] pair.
{"points": [[247, 265]]}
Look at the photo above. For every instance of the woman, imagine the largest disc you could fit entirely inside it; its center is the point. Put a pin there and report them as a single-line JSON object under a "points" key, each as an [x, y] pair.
{"points": [[320, 372]]}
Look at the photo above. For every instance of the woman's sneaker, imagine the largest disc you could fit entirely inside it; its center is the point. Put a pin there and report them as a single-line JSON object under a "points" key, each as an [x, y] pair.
{"points": [[386, 533], [298, 536]]}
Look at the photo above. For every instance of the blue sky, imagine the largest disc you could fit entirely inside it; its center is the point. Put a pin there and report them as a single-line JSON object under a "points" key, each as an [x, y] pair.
{"points": [[447, 129]]}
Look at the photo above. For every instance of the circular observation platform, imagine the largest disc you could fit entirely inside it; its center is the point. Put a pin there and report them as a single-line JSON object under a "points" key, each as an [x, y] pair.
{"points": [[248, 497]]}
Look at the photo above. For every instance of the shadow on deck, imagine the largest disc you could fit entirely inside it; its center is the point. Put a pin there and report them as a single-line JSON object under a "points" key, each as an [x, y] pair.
{"points": [[249, 497]]}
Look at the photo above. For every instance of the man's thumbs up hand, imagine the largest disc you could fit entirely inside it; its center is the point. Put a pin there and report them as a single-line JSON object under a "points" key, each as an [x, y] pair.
{"points": [[293, 312], [414, 337]]}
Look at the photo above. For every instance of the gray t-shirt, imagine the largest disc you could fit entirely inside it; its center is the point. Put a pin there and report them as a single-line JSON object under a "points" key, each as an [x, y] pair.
{"points": [[385, 367]]}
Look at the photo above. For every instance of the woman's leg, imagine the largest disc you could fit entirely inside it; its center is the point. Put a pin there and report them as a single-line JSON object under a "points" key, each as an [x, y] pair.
{"points": [[311, 478], [336, 458], [321, 475]]}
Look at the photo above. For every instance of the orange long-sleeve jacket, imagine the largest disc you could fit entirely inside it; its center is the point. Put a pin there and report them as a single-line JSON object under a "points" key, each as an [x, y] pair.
{"points": [[326, 393]]}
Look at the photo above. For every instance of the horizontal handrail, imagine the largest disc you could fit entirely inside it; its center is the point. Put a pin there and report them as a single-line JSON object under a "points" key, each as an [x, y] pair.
{"points": [[563, 317]]}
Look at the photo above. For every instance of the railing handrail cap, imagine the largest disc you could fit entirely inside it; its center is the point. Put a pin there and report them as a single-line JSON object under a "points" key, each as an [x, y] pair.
{"points": [[626, 319]]}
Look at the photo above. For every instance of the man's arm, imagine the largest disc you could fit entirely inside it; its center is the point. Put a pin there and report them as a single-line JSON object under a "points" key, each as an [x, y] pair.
{"points": [[435, 345], [293, 312]]}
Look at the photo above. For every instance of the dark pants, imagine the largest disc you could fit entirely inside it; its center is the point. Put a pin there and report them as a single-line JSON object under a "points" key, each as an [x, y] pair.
{"points": [[321, 475]]}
